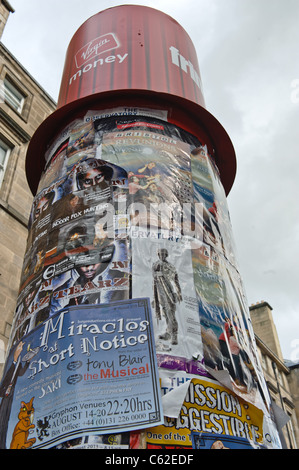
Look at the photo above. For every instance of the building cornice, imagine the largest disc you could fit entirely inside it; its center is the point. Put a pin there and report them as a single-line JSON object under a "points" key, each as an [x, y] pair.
{"points": [[263, 303], [14, 126], [280, 364], [8, 6]]}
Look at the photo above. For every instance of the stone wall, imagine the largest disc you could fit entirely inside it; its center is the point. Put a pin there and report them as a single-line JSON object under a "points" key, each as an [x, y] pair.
{"points": [[16, 130]]}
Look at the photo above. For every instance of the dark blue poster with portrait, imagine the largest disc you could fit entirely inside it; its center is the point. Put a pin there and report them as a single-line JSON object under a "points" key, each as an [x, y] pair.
{"points": [[88, 369]]}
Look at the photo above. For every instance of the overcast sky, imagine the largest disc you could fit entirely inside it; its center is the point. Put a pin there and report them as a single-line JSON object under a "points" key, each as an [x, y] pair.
{"points": [[248, 53]]}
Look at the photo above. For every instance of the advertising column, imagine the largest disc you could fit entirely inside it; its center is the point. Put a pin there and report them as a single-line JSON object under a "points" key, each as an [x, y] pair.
{"points": [[132, 328]]}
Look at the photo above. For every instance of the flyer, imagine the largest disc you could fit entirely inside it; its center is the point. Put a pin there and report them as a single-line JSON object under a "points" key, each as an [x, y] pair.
{"points": [[101, 441], [87, 370]]}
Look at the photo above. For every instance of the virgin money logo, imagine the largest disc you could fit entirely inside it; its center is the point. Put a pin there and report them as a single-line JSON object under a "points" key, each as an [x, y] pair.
{"points": [[96, 47]]}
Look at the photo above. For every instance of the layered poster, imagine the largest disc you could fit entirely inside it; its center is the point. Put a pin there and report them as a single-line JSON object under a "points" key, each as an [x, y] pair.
{"points": [[229, 350], [157, 160], [88, 370]]}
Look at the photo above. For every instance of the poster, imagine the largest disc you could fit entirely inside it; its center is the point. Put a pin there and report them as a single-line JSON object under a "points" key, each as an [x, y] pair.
{"points": [[162, 270], [104, 279], [229, 350], [208, 190], [208, 407], [157, 160], [89, 369], [73, 219]]}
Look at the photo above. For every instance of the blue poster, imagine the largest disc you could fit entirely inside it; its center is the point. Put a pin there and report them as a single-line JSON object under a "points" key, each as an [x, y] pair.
{"points": [[218, 441], [89, 369]]}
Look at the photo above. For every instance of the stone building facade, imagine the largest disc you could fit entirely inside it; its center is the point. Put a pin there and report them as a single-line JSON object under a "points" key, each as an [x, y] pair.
{"points": [[293, 379], [278, 375], [23, 106], [5, 10]]}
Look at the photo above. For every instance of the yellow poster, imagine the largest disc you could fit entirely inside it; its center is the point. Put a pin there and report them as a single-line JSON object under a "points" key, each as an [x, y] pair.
{"points": [[208, 408]]}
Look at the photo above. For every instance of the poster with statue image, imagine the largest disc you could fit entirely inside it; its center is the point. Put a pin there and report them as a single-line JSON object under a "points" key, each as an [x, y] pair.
{"points": [[162, 270]]}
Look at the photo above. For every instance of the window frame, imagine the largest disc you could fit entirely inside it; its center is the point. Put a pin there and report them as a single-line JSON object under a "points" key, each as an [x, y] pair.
{"points": [[12, 93], [7, 149]]}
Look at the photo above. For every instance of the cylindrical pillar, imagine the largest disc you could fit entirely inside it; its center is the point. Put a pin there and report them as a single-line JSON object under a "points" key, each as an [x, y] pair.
{"points": [[132, 328]]}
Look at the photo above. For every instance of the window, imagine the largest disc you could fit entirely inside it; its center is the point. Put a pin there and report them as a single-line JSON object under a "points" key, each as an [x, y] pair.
{"points": [[264, 361], [279, 376], [291, 429], [2, 352], [13, 96], [4, 154]]}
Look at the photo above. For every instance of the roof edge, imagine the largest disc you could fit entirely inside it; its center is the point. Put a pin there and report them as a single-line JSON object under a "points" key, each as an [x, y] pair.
{"points": [[8, 6]]}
